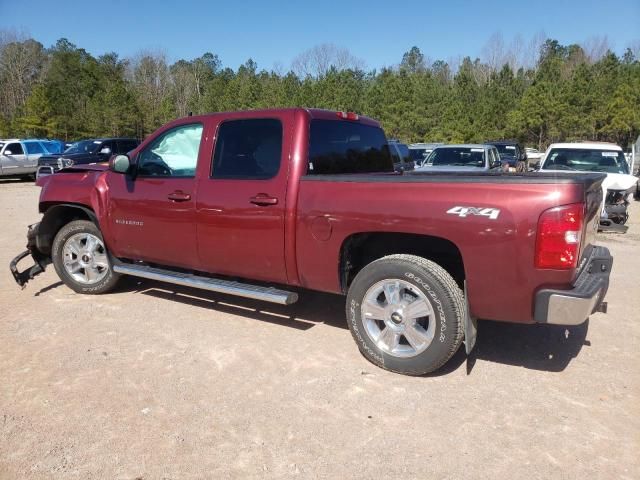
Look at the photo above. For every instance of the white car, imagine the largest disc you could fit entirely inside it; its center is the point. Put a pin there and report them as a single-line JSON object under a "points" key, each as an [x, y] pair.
{"points": [[603, 157]]}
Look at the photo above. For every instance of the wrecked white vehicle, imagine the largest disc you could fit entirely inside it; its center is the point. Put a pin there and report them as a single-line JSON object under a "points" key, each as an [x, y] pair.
{"points": [[618, 187]]}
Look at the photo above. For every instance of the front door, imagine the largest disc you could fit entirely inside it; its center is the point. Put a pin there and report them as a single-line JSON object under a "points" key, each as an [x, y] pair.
{"points": [[14, 160], [152, 215], [241, 199]]}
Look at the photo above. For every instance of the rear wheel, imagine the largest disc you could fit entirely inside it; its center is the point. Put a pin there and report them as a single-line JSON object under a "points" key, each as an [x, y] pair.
{"points": [[81, 260], [405, 313]]}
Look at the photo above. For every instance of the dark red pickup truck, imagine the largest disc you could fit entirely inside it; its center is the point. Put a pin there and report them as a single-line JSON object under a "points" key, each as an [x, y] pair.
{"points": [[308, 199]]}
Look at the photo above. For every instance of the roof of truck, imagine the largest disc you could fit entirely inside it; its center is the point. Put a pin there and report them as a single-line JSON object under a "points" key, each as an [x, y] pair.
{"points": [[586, 145]]}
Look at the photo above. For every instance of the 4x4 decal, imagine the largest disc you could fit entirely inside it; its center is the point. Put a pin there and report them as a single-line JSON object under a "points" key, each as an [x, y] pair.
{"points": [[463, 212]]}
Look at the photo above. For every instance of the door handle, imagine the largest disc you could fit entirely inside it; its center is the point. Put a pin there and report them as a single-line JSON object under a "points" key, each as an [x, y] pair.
{"points": [[179, 196], [263, 199]]}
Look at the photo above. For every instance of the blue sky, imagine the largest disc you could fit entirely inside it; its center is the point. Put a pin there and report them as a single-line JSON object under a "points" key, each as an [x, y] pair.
{"points": [[271, 32]]}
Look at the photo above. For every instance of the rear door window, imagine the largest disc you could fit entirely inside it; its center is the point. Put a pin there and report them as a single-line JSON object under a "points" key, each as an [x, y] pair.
{"points": [[248, 149], [33, 148], [347, 147]]}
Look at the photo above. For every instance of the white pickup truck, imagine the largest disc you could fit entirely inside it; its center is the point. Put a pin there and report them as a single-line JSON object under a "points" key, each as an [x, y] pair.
{"points": [[19, 158], [603, 157]]}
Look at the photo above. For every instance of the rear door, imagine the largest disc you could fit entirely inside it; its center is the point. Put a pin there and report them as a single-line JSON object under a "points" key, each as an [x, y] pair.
{"points": [[241, 199], [34, 150]]}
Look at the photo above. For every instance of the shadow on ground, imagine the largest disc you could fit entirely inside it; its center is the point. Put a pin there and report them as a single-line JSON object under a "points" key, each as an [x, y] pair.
{"points": [[538, 347]]}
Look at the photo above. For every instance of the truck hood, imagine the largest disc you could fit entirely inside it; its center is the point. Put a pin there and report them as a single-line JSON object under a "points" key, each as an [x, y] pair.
{"points": [[619, 181]]}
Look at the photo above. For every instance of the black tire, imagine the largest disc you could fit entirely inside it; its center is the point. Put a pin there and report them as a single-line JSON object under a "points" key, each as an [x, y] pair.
{"points": [[104, 285], [438, 287]]}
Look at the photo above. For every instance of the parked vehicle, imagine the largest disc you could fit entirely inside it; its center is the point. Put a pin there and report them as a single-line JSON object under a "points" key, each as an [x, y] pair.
{"points": [[512, 153], [85, 152], [533, 156], [618, 187], [461, 158], [19, 158], [54, 146], [402, 160], [303, 198], [420, 151]]}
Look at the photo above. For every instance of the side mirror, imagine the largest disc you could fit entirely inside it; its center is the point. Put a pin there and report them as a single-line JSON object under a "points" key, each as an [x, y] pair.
{"points": [[8, 152], [105, 151], [120, 164]]}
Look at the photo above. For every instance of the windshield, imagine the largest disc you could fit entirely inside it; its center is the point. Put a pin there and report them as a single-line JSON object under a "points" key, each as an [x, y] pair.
{"points": [[2, 144], [53, 147], [586, 160], [85, 146], [418, 154], [506, 149], [347, 147], [457, 156]]}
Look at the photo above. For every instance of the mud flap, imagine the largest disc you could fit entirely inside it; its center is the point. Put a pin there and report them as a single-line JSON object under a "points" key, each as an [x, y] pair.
{"points": [[470, 325]]}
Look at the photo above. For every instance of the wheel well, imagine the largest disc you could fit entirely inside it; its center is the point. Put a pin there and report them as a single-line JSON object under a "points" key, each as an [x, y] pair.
{"points": [[363, 248], [57, 216]]}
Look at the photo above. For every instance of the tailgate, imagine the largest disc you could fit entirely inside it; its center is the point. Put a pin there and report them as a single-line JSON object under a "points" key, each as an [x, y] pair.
{"points": [[593, 202]]}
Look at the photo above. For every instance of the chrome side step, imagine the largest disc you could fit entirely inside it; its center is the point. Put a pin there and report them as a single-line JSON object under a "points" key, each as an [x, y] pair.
{"points": [[267, 294]]}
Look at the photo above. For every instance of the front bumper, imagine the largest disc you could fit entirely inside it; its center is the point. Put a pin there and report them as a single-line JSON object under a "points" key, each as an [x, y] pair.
{"points": [[45, 170], [40, 261], [573, 306]]}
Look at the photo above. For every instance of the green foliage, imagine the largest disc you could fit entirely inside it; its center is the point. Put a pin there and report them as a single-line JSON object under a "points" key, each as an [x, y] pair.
{"points": [[67, 93]]}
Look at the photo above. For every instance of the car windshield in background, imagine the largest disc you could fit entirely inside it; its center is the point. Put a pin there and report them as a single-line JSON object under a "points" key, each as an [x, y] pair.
{"points": [[53, 147], [506, 149], [586, 160], [462, 157], [417, 154], [85, 146], [347, 147], [2, 144]]}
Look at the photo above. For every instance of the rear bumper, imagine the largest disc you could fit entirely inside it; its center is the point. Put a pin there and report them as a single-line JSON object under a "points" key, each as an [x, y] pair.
{"points": [[40, 261], [573, 306]]}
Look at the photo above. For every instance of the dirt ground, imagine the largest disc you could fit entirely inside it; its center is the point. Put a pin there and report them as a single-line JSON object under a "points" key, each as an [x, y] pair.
{"points": [[158, 382]]}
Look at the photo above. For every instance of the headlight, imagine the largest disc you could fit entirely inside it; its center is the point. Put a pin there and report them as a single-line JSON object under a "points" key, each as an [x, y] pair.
{"points": [[65, 162]]}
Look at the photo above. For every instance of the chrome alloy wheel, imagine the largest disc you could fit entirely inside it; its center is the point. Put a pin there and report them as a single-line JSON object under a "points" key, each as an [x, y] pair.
{"points": [[85, 258], [398, 318]]}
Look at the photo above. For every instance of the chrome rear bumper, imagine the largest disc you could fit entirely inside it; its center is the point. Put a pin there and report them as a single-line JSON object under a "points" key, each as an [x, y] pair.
{"points": [[573, 306]]}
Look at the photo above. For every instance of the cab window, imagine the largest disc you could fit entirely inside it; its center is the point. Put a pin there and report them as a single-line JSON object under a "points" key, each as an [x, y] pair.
{"points": [[14, 148], [173, 154], [248, 149]]}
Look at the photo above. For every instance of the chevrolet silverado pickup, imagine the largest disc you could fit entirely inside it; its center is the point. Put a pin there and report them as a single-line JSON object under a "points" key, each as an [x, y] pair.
{"points": [[261, 204]]}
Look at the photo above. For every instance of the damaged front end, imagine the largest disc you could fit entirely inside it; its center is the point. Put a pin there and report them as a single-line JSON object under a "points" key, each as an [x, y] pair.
{"points": [[41, 260], [618, 188]]}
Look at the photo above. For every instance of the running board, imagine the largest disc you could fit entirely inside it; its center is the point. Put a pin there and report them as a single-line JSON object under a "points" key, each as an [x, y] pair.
{"points": [[267, 294]]}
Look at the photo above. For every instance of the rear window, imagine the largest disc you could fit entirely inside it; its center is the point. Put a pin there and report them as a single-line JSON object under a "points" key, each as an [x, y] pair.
{"points": [[458, 156], [586, 160], [347, 147]]}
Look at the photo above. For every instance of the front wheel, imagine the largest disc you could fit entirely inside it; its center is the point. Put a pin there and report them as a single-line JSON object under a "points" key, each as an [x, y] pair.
{"points": [[406, 313], [81, 260]]}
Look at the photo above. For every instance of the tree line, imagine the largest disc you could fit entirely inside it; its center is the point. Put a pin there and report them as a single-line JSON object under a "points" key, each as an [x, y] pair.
{"points": [[565, 93]]}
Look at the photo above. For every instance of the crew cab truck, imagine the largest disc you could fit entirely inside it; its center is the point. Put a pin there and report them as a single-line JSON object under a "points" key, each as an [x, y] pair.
{"points": [[302, 198]]}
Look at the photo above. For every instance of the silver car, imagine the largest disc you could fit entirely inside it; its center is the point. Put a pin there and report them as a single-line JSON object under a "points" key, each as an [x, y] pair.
{"points": [[462, 158], [19, 158]]}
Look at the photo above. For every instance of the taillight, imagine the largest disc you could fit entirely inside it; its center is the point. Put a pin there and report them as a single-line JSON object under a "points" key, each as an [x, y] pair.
{"points": [[348, 115], [559, 235]]}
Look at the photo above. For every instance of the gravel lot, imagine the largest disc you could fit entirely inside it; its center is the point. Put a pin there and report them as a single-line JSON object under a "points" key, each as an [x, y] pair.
{"points": [[155, 382]]}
